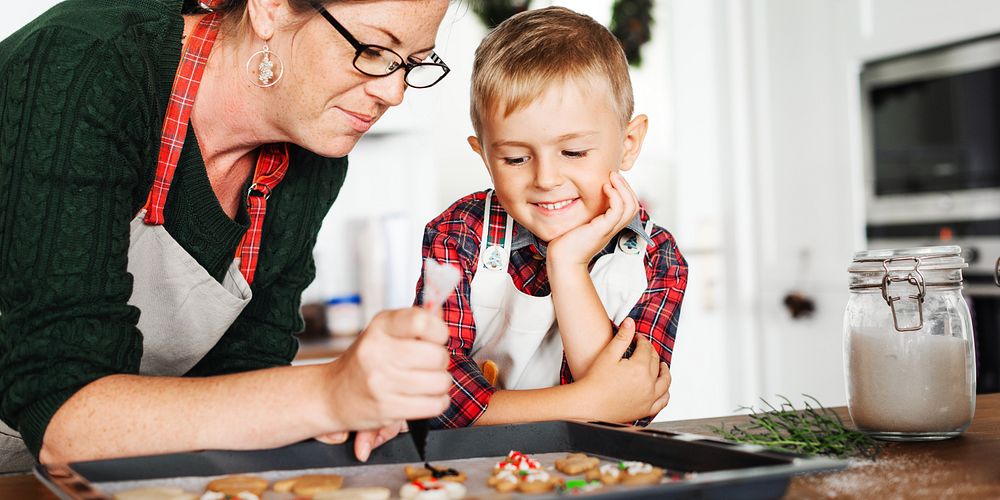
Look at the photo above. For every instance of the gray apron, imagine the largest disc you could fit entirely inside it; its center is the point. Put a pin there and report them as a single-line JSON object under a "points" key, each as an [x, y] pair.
{"points": [[184, 312]]}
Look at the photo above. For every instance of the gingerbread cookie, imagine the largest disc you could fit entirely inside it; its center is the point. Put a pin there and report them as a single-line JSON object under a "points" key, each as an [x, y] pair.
{"points": [[630, 473], [640, 473], [537, 481], [519, 471], [576, 463], [369, 493], [155, 493], [234, 485], [429, 488], [428, 470], [504, 481]]}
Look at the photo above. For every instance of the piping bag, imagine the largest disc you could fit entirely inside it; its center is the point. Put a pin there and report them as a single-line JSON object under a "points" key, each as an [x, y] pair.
{"points": [[440, 281]]}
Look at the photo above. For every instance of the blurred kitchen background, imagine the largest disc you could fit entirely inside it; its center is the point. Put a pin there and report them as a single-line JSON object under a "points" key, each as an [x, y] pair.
{"points": [[767, 119]]}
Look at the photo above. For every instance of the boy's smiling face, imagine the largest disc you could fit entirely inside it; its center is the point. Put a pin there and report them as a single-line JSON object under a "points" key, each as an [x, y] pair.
{"points": [[550, 159]]}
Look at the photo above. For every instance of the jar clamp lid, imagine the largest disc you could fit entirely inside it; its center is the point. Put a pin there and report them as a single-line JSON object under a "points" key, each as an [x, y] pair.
{"points": [[908, 266]]}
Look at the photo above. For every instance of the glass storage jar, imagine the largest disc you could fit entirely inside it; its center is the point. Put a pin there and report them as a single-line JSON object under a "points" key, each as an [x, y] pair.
{"points": [[908, 346]]}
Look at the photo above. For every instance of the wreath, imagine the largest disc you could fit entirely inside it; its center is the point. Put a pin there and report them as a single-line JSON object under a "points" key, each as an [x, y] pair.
{"points": [[631, 21]]}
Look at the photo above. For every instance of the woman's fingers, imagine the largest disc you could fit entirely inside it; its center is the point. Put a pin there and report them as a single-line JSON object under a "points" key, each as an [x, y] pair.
{"points": [[333, 437], [364, 443], [424, 383], [420, 355], [415, 323]]}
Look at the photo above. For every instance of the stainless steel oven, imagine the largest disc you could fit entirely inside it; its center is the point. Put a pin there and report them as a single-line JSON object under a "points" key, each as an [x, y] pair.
{"points": [[931, 136]]}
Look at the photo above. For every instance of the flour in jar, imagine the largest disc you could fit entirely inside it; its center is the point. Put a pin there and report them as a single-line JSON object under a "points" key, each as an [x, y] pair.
{"points": [[908, 382]]}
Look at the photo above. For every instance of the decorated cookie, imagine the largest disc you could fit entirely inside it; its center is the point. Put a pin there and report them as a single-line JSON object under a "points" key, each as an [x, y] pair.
{"points": [[631, 473], [428, 470], [607, 474], [517, 461], [234, 485], [640, 473], [522, 473], [576, 463], [537, 481], [504, 481], [156, 493], [372, 493], [429, 488]]}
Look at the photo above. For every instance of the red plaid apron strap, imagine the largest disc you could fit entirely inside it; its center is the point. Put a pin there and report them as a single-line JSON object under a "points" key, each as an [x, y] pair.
{"points": [[271, 167], [496, 222], [175, 123], [272, 162]]}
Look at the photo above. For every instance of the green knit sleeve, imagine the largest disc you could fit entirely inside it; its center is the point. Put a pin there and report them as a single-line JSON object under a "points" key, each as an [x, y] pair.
{"points": [[74, 115], [263, 335]]}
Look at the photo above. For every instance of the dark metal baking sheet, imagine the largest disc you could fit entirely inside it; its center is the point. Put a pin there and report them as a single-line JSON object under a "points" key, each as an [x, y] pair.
{"points": [[723, 469]]}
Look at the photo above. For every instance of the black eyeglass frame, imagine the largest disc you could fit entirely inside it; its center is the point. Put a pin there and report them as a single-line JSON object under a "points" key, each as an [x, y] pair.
{"points": [[359, 48]]}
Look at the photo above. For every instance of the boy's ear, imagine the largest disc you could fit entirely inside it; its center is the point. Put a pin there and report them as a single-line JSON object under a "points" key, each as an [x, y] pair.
{"points": [[263, 15], [635, 133], [474, 144]]}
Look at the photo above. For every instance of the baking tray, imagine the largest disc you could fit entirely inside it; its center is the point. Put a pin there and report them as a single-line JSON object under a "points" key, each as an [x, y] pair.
{"points": [[721, 469]]}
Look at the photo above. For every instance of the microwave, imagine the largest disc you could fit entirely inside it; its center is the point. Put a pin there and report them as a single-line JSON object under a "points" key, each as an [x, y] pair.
{"points": [[931, 149]]}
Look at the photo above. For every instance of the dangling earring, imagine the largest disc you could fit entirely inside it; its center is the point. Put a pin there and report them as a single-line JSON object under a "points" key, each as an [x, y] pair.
{"points": [[268, 71]]}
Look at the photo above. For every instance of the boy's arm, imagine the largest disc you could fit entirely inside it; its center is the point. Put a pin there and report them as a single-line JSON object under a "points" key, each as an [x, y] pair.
{"points": [[583, 321]]}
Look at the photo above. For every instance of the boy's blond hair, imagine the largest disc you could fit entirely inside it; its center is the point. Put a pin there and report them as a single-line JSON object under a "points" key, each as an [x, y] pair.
{"points": [[527, 53]]}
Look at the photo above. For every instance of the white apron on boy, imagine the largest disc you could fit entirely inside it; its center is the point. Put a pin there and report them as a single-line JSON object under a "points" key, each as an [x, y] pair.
{"points": [[518, 331]]}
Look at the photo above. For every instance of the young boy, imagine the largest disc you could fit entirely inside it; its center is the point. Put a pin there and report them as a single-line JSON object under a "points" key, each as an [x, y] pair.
{"points": [[559, 256]]}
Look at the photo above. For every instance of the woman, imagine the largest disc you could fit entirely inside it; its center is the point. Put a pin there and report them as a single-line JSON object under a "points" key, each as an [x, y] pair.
{"points": [[140, 151]]}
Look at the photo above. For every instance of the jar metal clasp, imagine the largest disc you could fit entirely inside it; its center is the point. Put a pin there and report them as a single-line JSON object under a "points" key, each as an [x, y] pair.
{"points": [[913, 277], [996, 272]]}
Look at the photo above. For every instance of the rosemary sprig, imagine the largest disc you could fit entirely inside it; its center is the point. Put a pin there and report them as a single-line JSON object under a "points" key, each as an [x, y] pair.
{"points": [[814, 430]]}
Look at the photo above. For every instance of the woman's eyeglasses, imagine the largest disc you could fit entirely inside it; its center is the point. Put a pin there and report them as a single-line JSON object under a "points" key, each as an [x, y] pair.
{"points": [[375, 60]]}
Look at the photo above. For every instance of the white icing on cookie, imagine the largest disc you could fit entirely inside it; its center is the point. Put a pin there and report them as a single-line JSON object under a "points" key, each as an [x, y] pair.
{"points": [[538, 476], [634, 468], [506, 476], [610, 470], [432, 490]]}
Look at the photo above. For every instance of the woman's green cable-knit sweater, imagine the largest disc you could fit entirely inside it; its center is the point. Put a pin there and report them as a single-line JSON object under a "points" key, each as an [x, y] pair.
{"points": [[83, 91]]}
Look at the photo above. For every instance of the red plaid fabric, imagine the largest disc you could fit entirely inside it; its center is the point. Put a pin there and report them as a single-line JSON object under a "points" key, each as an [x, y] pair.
{"points": [[272, 161], [454, 237], [175, 123], [271, 167]]}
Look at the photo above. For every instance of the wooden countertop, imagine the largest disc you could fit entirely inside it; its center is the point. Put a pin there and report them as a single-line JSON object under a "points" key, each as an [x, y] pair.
{"points": [[960, 468], [964, 467]]}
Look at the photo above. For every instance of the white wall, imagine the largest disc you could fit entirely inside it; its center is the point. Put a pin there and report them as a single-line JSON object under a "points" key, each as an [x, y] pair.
{"points": [[806, 188], [17, 14]]}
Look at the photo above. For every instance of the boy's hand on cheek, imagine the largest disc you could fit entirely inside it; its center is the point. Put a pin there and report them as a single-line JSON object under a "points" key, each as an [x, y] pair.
{"points": [[579, 245]]}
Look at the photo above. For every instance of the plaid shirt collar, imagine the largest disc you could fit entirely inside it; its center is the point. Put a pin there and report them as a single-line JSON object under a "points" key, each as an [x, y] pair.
{"points": [[524, 238]]}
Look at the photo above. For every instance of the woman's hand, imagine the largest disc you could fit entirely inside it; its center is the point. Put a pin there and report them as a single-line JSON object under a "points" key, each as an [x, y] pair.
{"points": [[365, 441], [395, 371], [625, 390], [580, 244]]}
